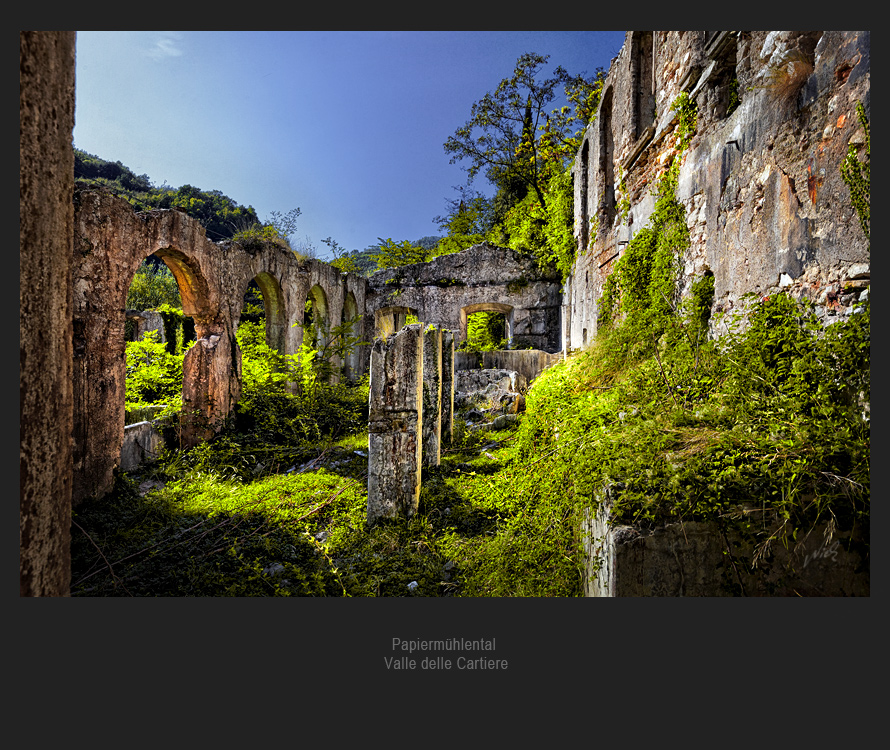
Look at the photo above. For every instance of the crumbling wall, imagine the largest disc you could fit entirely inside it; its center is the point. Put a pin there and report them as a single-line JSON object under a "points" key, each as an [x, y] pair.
{"points": [[765, 203], [111, 240], [700, 558], [46, 216], [411, 405], [766, 209], [444, 291], [395, 424]]}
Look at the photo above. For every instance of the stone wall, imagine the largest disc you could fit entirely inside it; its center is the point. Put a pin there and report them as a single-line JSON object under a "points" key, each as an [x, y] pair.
{"points": [[444, 291], [766, 209], [760, 182], [696, 558], [765, 203], [111, 240], [46, 215]]}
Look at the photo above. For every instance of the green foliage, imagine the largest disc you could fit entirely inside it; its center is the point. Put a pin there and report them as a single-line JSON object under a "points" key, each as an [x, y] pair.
{"points": [[525, 153], [284, 224], [219, 214], [684, 106], [486, 332], [769, 417], [500, 139], [208, 536], [765, 426], [153, 285], [543, 230], [391, 254], [642, 289], [257, 235], [464, 225], [153, 375], [857, 175], [734, 98]]}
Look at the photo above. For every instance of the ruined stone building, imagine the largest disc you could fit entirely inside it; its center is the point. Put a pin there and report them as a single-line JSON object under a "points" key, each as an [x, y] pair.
{"points": [[760, 183]]}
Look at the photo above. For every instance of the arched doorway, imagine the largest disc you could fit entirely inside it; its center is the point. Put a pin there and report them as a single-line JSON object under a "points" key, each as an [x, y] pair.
{"points": [[316, 325], [263, 302], [503, 318]]}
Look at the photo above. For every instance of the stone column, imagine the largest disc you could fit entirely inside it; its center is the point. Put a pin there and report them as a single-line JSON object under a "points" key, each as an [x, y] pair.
{"points": [[395, 424], [211, 383], [447, 386], [46, 232], [432, 395]]}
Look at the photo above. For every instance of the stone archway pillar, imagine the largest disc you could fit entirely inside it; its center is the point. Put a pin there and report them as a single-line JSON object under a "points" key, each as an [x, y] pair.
{"points": [[211, 383]]}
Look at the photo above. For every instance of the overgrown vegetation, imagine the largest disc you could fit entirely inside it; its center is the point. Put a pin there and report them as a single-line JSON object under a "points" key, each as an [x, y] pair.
{"points": [[486, 332], [764, 430], [153, 285]]}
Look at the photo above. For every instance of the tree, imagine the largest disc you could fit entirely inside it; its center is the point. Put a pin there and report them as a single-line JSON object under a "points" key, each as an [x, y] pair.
{"points": [[285, 224], [499, 140], [465, 223], [343, 260]]}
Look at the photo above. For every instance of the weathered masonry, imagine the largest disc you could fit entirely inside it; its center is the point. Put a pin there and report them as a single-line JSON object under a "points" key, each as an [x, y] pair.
{"points": [[760, 182], [111, 240], [765, 203], [411, 404], [446, 290], [766, 209]]}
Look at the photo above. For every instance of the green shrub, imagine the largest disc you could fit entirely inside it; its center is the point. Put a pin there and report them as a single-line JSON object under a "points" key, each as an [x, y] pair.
{"points": [[153, 375]]}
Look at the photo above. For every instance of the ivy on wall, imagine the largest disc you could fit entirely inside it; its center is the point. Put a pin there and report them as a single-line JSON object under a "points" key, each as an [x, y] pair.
{"points": [[857, 175], [642, 290]]}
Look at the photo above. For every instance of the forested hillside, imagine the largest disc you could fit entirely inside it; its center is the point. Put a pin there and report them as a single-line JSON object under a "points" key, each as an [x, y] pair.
{"points": [[221, 216]]}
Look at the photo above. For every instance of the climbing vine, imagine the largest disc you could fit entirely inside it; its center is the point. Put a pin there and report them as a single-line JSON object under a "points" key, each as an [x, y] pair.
{"points": [[684, 106], [624, 203], [642, 289], [857, 175]]}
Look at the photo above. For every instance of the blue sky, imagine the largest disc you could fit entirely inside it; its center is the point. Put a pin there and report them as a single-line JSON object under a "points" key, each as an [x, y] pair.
{"points": [[347, 126]]}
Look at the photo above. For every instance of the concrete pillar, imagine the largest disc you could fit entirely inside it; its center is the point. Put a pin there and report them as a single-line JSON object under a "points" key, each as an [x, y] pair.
{"points": [[395, 424], [46, 235], [447, 387], [432, 395]]}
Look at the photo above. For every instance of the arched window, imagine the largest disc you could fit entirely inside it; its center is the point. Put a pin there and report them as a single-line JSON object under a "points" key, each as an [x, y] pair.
{"points": [[315, 318], [643, 81], [585, 209], [502, 321], [606, 166]]}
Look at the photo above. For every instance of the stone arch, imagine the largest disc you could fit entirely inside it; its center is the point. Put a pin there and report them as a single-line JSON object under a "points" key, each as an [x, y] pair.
{"points": [[275, 313], [505, 310], [211, 368], [193, 289], [316, 311], [388, 320]]}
